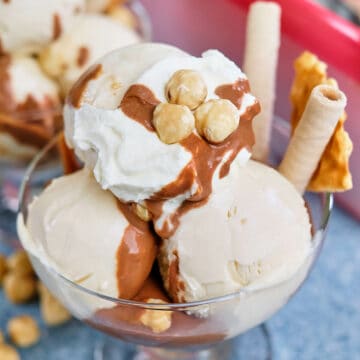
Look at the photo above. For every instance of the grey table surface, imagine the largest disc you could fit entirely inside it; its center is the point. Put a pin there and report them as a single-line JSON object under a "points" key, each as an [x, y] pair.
{"points": [[321, 322]]}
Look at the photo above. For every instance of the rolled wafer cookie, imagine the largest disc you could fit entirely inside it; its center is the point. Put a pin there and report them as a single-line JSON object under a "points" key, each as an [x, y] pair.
{"points": [[333, 171], [260, 63], [317, 124]]}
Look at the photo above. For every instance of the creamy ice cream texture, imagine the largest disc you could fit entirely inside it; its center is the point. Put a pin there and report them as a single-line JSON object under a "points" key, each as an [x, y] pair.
{"points": [[226, 223], [89, 238], [253, 232], [87, 38], [28, 93], [26, 26]]}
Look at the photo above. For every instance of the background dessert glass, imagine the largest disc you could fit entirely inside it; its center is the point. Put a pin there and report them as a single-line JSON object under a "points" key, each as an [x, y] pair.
{"points": [[189, 337], [12, 169]]}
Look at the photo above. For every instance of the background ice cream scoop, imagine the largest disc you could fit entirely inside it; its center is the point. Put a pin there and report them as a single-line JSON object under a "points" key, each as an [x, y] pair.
{"points": [[27, 96], [87, 38], [79, 230], [254, 231], [26, 26]]}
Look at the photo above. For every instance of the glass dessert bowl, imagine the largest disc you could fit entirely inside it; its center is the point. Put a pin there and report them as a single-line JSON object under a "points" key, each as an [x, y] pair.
{"points": [[22, 134], [193, 330]]}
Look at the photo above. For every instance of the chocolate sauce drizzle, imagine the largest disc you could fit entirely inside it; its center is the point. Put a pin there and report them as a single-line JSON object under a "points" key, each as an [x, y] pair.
{"points": [[77, 91], [135, 255], [139, 103], [83, 56]]}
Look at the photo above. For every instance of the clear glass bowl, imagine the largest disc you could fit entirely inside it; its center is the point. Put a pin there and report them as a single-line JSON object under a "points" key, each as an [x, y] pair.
{"points": [[143, 22], [189, 336], [12, 167]]}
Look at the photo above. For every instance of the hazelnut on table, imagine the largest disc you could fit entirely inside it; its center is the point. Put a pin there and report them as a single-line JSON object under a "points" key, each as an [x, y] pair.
{"points": [[8, 352], [1, 337], [23, 331], [19, 288], [52, 311], [19, 262]]}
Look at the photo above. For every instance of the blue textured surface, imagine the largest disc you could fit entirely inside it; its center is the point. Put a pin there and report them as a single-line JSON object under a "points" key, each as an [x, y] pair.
{"points": [[321, 322]]}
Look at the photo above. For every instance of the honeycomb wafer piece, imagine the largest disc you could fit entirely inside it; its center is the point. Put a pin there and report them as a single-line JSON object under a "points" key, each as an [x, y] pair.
{"points": [[332, 173], [67, 156]]}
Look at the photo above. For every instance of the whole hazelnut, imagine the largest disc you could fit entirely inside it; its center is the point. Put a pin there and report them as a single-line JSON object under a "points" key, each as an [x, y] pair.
{"points": [[19, 288], [157, 320], [173, 123], [23, 331], [216, 120], [3, 267], [19, 262], [7, 352], [186, 87], [52, 311], [1, 337]]}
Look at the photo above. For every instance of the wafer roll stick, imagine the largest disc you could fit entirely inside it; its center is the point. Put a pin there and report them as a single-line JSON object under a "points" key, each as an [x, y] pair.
{"points": [[260, 63], [317, 124]]}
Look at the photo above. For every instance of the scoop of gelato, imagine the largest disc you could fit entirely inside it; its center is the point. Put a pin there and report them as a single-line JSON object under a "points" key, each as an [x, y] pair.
{"points": [[26, 26], [254, 231], [87, 38], [28, 102], [154, 123], [88, 237]]}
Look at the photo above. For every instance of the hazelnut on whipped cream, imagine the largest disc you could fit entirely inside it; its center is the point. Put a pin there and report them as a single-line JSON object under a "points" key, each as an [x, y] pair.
{"points": [[88, 37], [26, 26], [110, 118]]}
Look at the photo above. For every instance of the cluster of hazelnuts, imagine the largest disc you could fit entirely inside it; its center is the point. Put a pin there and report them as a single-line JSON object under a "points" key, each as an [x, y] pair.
{"points": [[20, 285], [186, 110]]}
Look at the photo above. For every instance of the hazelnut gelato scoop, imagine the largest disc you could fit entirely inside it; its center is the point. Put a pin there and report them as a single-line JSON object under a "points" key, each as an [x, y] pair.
{"points": [[253, 232], [174, 118], [87, 38], [86, 235]]}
